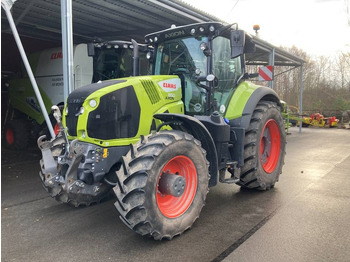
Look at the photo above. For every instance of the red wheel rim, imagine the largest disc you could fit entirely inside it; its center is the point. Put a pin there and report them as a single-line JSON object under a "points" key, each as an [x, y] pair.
{"points": [[172, 206], [270, 146], [56, 129], [10, 137]]}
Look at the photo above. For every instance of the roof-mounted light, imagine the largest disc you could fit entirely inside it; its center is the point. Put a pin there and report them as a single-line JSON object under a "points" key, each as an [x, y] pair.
{"points": [[148, 55], [203, 46], [201, 29], [211, 28], [193, 31]]}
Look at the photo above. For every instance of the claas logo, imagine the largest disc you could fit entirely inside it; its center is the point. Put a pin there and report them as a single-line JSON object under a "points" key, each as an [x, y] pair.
{"points": [[169, 85], [56, 55]]}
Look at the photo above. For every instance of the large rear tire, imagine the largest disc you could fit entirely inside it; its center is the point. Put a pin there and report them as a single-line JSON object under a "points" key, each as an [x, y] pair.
{"points": [[143, 205], [264, 148]]}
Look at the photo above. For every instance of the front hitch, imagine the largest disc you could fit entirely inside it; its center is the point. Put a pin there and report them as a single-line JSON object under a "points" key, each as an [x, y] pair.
{"points": [[59, 171], [51, 150]]}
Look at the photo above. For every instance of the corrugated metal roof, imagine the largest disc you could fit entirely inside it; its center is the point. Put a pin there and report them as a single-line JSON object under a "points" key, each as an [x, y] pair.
{"points": [[261, 56], [121, 20], [106, 19]]}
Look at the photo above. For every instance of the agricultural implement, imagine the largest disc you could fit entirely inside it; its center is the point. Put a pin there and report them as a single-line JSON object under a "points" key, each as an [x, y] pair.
{"points": [[317, 119]]}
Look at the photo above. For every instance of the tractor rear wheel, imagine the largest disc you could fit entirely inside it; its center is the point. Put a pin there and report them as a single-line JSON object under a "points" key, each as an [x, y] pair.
{"points": [[162, 184], [264, 147], [16, 134]]}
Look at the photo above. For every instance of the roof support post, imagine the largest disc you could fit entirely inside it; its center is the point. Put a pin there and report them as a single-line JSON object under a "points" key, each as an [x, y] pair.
{"points": [[6, 5], [272, 63], [301, 94], [67, 47]]}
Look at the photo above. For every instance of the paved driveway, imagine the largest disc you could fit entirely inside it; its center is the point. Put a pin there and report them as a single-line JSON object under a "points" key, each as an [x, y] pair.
{"points": [[304, 218]]}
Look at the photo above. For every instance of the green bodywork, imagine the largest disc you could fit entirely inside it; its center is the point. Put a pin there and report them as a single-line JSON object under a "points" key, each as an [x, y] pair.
{"points": [[239, 99], [152, 101], [160, 102], [23, 98]]}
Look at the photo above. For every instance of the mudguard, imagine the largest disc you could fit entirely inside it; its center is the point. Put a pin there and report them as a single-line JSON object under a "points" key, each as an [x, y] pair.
{"points": [[244, 101], [194, 127]]}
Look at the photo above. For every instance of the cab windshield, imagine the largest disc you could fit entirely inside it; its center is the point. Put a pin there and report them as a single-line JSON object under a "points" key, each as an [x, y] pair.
{"points": [[112, 63], [180, 55], [183, 56]]}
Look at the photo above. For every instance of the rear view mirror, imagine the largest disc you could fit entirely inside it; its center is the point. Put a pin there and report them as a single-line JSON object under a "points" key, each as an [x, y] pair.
{"points": [[237, 40], [91, 49]]}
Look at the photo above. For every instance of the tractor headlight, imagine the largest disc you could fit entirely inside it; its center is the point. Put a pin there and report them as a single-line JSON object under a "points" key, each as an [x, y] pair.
{"points": [[93, 103]]}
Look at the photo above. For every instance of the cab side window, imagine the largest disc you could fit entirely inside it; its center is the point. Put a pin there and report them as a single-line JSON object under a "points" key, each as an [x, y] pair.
{"points": [[227, 70]]}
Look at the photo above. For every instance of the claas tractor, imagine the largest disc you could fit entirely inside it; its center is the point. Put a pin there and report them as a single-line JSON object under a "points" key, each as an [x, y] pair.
{"points": [[160, 141]]}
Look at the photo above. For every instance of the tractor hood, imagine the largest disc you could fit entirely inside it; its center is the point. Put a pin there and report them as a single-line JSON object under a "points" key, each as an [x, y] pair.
{"points": [[80, 94], [117, 112]]}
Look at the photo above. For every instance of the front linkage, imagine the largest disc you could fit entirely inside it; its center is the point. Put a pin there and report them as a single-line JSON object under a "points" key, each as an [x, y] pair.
{"points": [[74, 173]]}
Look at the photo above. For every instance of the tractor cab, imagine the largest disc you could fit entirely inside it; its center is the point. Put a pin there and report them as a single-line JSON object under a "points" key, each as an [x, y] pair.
{"points": [[114, 59], [202, 56]]}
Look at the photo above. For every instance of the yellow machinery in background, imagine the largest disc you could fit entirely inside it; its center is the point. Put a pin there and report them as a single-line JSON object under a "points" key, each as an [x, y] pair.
{"points": [[319, 120], [292, 118]]}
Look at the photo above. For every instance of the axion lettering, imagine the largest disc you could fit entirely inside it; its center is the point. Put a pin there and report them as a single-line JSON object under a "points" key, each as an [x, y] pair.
{"points": [[175, 34]]}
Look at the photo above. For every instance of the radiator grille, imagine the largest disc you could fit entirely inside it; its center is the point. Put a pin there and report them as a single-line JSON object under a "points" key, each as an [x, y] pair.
{"points": [[151, 91]]}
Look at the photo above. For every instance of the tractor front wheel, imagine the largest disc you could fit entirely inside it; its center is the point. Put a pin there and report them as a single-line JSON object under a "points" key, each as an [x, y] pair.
{"points": [[162, 184], [264, 148]]}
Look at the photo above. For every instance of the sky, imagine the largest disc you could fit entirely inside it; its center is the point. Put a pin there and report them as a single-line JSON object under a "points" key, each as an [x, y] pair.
{"points": [[319, 27]]}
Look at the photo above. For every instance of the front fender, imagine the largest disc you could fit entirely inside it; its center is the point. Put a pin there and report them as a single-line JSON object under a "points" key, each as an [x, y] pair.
{"points": [[194, 127]]}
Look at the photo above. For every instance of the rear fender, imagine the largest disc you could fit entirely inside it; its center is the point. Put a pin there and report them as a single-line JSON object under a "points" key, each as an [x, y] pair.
{"points": [[250, 98], [194, 127]]}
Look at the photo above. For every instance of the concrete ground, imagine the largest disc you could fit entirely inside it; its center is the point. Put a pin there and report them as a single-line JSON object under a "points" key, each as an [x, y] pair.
{"points": [[306, 217]]}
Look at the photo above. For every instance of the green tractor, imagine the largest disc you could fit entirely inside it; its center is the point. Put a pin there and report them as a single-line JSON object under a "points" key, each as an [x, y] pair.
{"points": [[161, 141]]}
